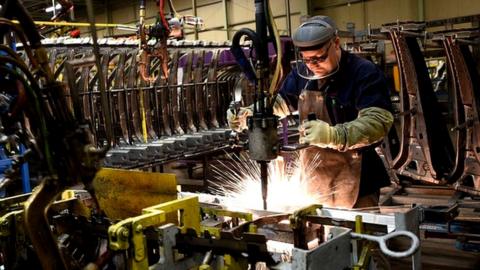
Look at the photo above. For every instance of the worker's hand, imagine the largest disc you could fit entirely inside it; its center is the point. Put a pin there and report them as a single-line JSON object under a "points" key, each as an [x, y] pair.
{"points": [[317, 132], [280, 107], [238, 121], [371, 125]]}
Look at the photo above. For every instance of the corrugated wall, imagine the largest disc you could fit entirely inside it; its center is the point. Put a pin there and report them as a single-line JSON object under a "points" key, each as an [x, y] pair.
{"points": [[378, 12], [240, 13]]}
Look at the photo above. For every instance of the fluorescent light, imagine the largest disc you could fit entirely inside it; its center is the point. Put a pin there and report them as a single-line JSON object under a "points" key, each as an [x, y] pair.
{"points": [[50, 9]]}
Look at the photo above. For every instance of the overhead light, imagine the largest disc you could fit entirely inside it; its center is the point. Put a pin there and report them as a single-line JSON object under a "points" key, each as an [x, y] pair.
{"points": [[51, 9]]}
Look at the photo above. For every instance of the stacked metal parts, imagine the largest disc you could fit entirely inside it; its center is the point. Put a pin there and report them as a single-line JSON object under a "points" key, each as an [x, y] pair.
{"points": [[425, 149], [159, 120]]}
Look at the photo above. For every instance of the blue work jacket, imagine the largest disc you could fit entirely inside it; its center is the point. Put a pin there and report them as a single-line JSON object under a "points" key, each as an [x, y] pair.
{"points": [[358, 84]]}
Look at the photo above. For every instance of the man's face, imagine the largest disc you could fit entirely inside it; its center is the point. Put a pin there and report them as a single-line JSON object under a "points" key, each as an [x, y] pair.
{"points": [[322, 61]]}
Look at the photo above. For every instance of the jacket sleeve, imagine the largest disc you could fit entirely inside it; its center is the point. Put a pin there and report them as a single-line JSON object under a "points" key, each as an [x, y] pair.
{"points": [[371, 125]]}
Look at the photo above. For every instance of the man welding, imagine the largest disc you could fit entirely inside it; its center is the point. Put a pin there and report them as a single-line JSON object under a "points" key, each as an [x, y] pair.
{"points": [[350, 99]]}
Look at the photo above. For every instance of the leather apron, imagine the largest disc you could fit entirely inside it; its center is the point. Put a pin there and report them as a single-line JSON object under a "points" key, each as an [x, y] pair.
{"points": [[333, 174]]}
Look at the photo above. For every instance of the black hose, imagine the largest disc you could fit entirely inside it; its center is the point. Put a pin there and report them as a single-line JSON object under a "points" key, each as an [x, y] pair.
{"points": [[239, 55], [23, 68], [270, 27], [14, 9]]}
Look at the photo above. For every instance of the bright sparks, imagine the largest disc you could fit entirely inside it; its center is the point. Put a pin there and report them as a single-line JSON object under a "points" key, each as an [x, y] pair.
{"points": [[239, 181]]}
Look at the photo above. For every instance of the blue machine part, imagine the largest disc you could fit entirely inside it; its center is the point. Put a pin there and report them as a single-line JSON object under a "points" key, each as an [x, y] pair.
{"points": [[467, 246], [25, 173], [5, 163]]}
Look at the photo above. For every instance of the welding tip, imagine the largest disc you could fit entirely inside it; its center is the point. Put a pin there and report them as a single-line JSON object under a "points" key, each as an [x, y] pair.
{"points": [[264, 182]]}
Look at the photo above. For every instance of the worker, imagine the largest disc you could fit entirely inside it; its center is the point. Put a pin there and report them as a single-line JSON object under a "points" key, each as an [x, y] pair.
{"points": [[351, 101]]}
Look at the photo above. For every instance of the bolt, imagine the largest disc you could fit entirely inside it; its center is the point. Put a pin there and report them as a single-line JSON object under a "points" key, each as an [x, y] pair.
{"points": [[139, 228], [124, 232]]}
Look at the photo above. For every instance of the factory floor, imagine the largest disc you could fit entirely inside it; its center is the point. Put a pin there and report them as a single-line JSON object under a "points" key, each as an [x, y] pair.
{"points": [[437, 253], [441, 254]]}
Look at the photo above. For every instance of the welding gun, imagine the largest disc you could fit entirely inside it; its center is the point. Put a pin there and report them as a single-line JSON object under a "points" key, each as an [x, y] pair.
{"points": [[262, 125]]}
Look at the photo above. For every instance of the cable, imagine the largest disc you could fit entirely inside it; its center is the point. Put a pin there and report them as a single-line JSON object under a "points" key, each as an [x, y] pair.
{"points": [[172, 8], [161, 12], [23, 68], [38, 115], [10, 52], [22, 37], [278, 68], [13, 8]]}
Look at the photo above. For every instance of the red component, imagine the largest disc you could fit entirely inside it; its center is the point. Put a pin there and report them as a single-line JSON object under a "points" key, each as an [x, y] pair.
{"points": [[75, 33]]}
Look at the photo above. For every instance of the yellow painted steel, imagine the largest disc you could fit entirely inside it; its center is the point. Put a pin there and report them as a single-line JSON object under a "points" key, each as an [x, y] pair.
{"points": [[144, 118], [124, 193], [297, 218], [364, 258], [188, 210], [223, 213], [81, 24], [358, 224], [396, 78], [12, 223], [6, 204]]}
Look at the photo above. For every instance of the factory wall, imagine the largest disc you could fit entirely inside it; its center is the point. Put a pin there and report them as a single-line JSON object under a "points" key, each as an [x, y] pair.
{"points": [[240, 13], [378, 12]]}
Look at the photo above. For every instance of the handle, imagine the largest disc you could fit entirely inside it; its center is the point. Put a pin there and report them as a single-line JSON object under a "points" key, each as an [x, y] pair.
{"points": [[294, 147], [382, 241]]}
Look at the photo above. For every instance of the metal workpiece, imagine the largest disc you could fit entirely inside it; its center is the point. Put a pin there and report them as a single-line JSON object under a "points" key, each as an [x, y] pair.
{"points": [[195, 142], [219, 136], [207, 138], [198, 141], [179, 143], [153, 150], [426, 151], [137, 153], [168, 147], [336, 249], [465, 85], [116, 157]]}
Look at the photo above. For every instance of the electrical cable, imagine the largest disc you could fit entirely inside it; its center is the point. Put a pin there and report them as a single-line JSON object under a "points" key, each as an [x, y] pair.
{"points": [[161, 12], [21, 35], [278, 69], [38, 114], [172, 8]]}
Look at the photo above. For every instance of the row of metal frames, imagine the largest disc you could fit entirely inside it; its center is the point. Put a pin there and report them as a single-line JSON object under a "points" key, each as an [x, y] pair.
{"points": [[428, 148], [154, 118]]}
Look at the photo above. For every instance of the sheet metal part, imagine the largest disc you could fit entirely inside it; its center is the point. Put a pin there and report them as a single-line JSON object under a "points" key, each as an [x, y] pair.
{"points": [[426, 152], [188, 93], [161, 110], [465, 84], [200, 101], [175, 99]]}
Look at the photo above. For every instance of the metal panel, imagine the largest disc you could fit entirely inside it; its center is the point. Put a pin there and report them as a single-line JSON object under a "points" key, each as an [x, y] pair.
{"points": [[333, 254]]}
